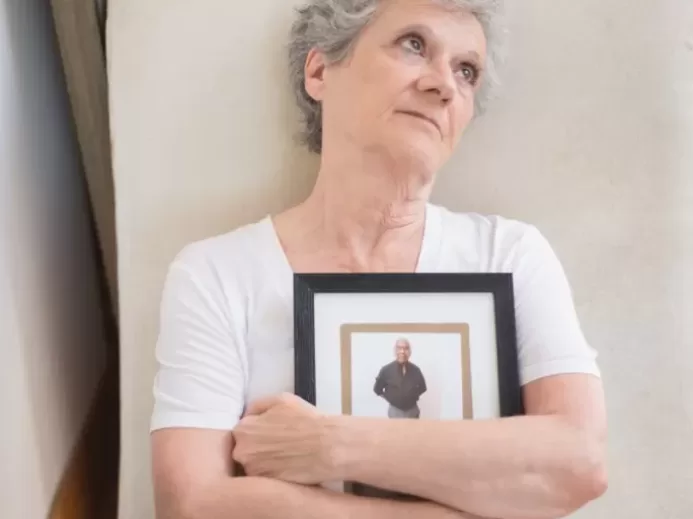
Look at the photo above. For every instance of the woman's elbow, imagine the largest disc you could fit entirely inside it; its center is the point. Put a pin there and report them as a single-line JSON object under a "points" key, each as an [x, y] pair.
{"points": [[592, 484], [588, 479]]}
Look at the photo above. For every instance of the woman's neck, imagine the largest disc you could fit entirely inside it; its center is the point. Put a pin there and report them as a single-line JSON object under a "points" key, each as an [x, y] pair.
{"points": [[365, 217]]}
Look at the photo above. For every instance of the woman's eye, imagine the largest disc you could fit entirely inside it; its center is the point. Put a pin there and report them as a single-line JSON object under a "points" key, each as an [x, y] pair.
{"points": [[414, 43], [470, 73]]}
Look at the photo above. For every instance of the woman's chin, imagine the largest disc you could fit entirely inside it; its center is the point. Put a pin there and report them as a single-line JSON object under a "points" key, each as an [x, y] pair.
{"points": [[418, 154]]}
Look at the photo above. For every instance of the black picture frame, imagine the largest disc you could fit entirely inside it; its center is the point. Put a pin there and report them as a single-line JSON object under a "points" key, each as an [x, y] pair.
{"points": [[499, 285]]}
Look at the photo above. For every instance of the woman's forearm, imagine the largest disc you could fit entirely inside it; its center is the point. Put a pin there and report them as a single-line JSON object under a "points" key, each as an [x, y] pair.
{"points": [[493, 468], [262, 498]]}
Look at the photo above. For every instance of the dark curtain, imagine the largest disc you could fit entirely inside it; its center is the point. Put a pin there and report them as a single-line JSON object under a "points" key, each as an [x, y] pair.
{"points": [[80, 30]]}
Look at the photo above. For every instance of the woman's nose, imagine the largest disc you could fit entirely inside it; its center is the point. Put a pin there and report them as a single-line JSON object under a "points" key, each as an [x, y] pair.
{"points": [[438, 79]]}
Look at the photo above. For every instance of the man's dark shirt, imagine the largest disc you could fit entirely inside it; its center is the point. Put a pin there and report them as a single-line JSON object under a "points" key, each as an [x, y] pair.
{"points": [[399, 389]]}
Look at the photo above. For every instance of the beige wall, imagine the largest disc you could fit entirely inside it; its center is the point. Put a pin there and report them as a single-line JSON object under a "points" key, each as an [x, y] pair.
{"points": [[51, 347], [591, 141]]}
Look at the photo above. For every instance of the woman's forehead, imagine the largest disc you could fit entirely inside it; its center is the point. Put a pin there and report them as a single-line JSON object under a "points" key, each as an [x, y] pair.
{"points": [[445, 7], [456, 26]]}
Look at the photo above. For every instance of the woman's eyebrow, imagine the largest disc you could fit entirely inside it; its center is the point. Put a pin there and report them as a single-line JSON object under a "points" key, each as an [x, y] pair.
{"points": [[430, 34], [417, 27]]}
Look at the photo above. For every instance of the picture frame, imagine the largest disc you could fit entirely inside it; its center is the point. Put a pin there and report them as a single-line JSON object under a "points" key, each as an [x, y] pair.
{"points": [[406, 345]]}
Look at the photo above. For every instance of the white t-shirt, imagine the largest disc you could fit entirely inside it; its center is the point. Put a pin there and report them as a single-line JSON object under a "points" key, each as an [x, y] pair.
{"points": [[226, 318]]}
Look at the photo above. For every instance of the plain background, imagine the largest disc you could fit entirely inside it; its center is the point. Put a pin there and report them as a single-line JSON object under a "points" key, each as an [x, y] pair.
{"points": [[591, 141], [438, 356]]}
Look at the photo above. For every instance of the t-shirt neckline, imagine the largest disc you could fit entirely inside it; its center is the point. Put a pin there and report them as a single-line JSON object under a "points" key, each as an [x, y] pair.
{"points": [[427, 262]]}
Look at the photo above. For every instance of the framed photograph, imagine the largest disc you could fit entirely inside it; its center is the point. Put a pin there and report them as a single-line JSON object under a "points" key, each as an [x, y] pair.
{"points": [[406, 346]]}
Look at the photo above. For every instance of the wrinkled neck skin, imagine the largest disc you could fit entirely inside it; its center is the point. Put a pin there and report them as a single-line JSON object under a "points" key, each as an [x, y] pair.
{"points": [[366, 210]]}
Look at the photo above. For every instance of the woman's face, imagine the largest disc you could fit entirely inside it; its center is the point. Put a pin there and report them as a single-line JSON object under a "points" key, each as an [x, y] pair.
{"points": [[408, 88]]}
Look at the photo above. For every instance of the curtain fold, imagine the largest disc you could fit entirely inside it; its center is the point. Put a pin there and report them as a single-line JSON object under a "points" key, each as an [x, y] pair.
{"points": [[79, 30], [93, 474]]}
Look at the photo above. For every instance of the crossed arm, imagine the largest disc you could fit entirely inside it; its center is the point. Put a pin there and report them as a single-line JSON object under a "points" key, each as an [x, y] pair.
{"points": [[193, 480], [541, 466]]}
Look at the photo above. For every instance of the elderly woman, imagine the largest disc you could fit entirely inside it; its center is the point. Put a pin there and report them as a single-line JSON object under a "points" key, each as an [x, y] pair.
{"points": [[387, 88]]}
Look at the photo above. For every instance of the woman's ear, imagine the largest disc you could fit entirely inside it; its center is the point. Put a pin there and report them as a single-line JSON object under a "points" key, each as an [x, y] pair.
{"points": [[314, 74]]}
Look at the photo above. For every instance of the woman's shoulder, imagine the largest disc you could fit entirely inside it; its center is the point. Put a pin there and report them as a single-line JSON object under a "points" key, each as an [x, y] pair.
{"points": [[493, 241], [234, 253], [485, 224]]}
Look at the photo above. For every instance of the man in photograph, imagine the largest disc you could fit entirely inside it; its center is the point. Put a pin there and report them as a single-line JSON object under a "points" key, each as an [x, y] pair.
{"points": [[401, 383]]}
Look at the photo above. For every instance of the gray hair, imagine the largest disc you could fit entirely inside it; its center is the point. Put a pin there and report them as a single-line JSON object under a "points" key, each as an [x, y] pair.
{"points": [[403, 340], [332, 27]]}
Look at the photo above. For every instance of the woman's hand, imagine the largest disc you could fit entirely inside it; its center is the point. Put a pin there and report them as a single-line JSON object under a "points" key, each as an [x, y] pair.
{"points": [[284, 437]]}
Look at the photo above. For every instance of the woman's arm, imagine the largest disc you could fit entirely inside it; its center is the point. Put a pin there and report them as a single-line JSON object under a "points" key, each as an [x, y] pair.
{"points": [[193, 480], [541, 466]]}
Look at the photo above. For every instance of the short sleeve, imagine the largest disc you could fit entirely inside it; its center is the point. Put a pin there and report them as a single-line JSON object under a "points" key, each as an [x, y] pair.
{"points": [[200, 378], [550, 338]]}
